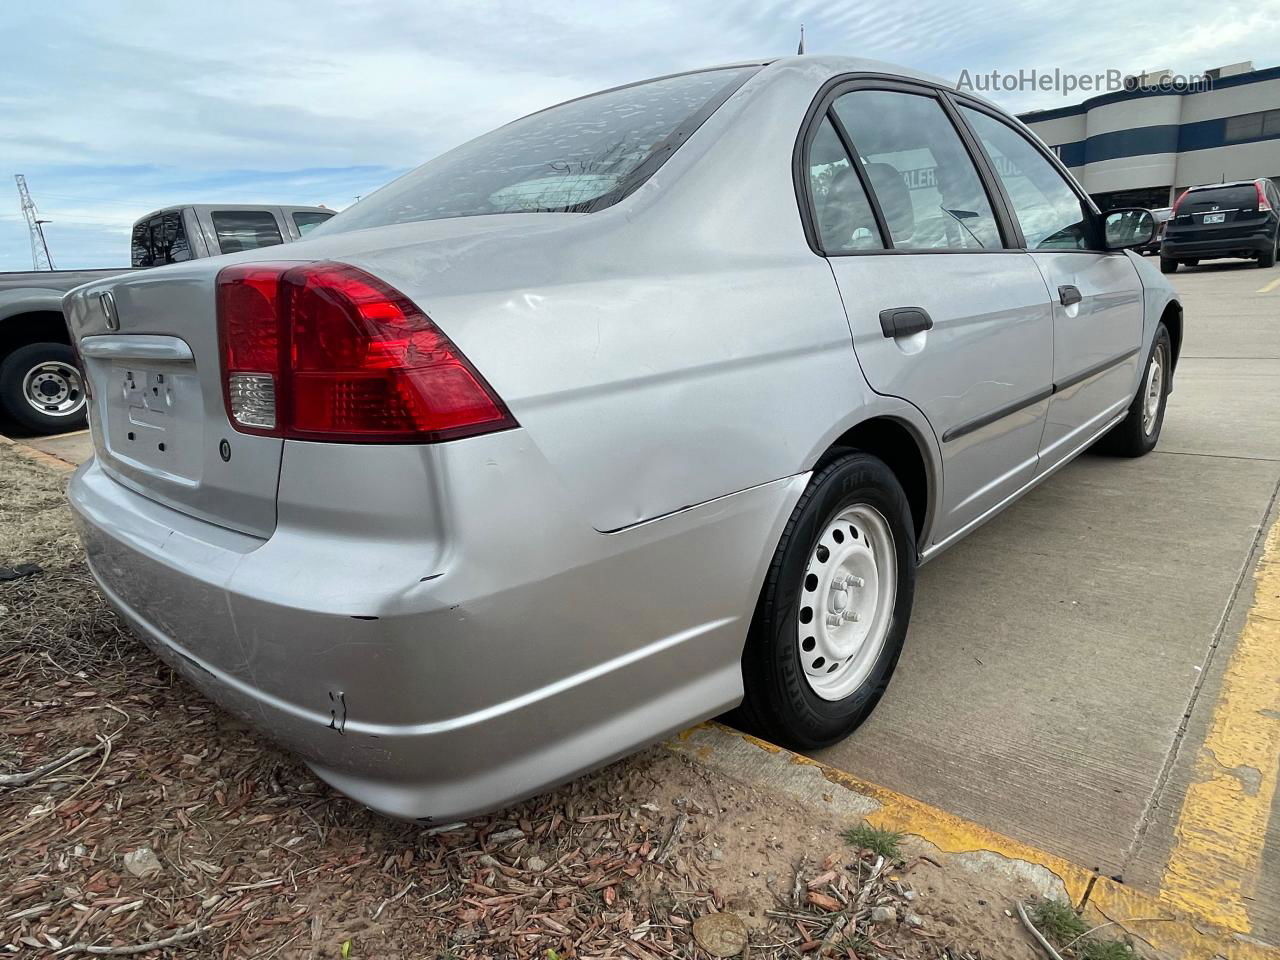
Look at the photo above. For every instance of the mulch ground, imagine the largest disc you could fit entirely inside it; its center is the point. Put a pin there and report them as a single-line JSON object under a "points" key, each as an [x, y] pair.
{"points": [[173, 825]]}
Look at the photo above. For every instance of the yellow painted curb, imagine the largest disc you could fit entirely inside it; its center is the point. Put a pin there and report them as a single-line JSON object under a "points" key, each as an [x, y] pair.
{"points": [[1174, 933], [1214, 867]]}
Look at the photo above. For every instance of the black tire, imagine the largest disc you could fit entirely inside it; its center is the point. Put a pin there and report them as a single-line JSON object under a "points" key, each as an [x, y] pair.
{"points": [[1168, 266], [780, 705], [1268, 260], [13, 374], [1129, 438]]}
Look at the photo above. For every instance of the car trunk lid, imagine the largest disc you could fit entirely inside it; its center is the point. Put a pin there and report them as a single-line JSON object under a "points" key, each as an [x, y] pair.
{"points": [[149, 346]]}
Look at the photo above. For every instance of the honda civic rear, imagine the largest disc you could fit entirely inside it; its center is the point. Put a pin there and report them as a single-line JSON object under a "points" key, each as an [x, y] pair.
{"points": [[373, 498]]}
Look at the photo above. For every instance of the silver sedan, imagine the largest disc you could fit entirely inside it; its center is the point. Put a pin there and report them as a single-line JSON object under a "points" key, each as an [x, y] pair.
{"points": [[636, 410]]}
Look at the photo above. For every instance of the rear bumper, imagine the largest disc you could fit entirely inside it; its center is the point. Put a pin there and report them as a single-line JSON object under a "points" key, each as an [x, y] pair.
{"points": [[466, 681], [1190, 248]]}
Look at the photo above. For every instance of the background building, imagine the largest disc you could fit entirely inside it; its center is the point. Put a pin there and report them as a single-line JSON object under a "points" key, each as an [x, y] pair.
{"points": [[1143, 147]]}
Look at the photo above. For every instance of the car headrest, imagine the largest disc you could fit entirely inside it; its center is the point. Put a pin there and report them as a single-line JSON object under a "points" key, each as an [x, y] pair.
{"points": [[895, 199], [838, 214]]}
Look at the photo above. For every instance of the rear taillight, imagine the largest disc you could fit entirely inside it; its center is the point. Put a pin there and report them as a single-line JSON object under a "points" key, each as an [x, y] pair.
{"points": [[1177, 203], [1264, 205], [324, 351]]}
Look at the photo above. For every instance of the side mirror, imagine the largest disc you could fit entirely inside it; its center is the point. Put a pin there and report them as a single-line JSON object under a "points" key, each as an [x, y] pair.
{"points": [[1129, 227]]}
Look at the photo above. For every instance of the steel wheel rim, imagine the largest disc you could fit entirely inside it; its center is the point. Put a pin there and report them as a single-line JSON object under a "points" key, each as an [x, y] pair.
{"points": [[846, 601], [1153, 390], [53, 388]]}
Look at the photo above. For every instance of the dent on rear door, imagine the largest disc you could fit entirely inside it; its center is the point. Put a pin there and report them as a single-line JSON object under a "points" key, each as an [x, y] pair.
{"points": [[980, 375]]}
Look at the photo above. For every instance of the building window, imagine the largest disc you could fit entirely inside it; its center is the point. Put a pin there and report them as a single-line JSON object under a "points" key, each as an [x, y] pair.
{"points": [[1252, 126]]}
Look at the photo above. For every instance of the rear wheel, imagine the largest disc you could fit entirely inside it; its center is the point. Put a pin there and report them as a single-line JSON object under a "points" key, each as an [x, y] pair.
{"points": [[833, 613], [41, 388], [1168, 266], [1137, 434], [1268, 260]]}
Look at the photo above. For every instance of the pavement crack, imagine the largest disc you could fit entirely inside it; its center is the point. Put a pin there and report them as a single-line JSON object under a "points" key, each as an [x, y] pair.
{"points": [[1156, 796]]}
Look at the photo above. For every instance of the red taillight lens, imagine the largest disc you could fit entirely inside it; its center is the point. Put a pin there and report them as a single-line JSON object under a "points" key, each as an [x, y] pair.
{"points": [[324, 351], [1177, 203], [1264, 205]]}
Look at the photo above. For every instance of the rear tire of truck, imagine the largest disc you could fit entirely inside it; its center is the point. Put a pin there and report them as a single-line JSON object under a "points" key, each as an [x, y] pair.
{"points": [[1139, 432], [1168, 266], [41, 388]]}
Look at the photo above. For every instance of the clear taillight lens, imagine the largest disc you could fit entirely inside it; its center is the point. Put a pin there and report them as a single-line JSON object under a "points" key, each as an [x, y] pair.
{"points": [[325, 351]]}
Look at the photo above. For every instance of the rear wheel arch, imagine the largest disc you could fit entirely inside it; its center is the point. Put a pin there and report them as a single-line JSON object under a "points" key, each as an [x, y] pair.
{"points": [[36, 326], [903, 451]]}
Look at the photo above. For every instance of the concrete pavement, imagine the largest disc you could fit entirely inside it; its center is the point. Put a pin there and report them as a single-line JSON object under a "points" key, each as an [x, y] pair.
{"points": [[1069, 678]]}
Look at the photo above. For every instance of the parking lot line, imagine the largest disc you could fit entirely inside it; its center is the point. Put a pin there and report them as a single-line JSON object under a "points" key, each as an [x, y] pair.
{"points": [[1273, 285], [1213, 868]]}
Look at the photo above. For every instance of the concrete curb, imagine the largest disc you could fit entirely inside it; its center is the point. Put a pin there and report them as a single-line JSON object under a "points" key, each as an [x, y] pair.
{"points": [[1165, 930], [38, 456]]}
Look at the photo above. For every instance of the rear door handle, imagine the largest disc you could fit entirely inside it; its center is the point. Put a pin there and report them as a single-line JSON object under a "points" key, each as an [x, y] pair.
{"points": [[904, 321], [1069, 294]]}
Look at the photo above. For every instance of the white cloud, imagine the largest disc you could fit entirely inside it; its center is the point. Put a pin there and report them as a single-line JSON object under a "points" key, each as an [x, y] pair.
{"points": [[114, 109]]}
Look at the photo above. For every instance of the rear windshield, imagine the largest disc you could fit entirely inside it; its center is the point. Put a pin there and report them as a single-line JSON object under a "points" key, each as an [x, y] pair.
{"points": [[1224, 197], [307, 220], [574, 158]]}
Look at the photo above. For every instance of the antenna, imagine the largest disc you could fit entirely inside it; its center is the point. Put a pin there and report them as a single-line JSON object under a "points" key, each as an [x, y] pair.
{"points": [[800, 49], [40, 259]]}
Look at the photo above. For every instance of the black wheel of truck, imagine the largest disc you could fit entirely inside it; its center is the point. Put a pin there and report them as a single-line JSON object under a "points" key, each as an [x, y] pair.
{"points": [[41, 388]]}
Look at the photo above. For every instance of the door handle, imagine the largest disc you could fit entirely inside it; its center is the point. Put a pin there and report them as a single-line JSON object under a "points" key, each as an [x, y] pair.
{"points": [[1069, 294], [904, 321]]}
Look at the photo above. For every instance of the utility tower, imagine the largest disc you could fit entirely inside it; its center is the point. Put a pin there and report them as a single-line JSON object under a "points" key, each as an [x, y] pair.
{"points": [[40, 259]]}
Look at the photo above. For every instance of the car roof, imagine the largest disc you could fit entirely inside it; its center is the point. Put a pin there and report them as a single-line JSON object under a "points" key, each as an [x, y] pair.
{"points": [[1229, 183], [209, 207], [833, 65]]}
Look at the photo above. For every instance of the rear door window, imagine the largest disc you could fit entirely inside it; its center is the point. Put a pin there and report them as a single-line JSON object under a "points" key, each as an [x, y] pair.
{"points": [[924, 181], [308, 220], [577, 157], [239, 230], [1051, 214]]}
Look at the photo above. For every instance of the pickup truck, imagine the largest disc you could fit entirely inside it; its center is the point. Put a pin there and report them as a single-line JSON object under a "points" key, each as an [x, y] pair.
{"points": [[40, 386]]}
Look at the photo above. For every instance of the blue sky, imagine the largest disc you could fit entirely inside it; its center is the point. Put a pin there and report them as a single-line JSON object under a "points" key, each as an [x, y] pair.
{"points": [[112, 109]]}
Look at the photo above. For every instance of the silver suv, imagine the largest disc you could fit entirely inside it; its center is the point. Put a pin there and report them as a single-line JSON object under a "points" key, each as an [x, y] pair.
{"points": [[628, 413]]}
